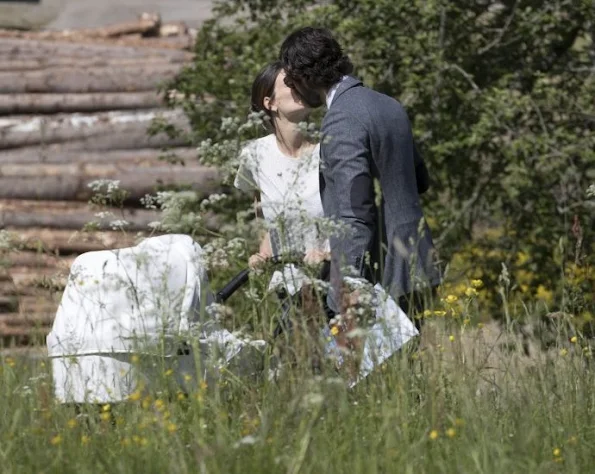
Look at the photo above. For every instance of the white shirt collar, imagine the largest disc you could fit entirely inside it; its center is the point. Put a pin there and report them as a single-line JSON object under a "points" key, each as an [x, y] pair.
{"points": [[332, 91]]}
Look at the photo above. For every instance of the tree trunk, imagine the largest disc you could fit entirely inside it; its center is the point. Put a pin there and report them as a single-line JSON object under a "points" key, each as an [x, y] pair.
{"points": [[71, 183], [26, 321], [13, 48], [94, 79], [55, 154], [40, 62], [12, 104], [75, 219], [112, 129], [68, 242]]}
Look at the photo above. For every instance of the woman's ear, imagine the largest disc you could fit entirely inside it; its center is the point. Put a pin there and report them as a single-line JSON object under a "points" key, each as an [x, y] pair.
{"points": [[269, 104]]}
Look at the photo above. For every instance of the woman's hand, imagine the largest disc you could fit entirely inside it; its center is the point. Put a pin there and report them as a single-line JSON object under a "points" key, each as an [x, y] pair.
{"points": [[258, 260], [315, 256]]}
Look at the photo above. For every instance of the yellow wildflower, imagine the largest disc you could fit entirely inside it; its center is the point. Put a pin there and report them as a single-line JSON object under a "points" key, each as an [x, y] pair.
{"points": [[427, 313], [466, 321], [135, 359], [440, 314], [187, 378], [557, 452], [135, 396], [544, 294], [106, 408], [105, 416], [181, 396], [85, 439], [169, 372], [573, 339], [450, 299], [56, 440], [71, 423], [476, 284], [146, 403], [471, 292], [564, 352], [334, 330], [10, 362], [451, 338], [434, 435], [451, 432], [159, 404], [171, 427]]}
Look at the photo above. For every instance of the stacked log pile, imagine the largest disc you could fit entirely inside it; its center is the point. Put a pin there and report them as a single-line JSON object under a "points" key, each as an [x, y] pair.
{"points": [[74, 108]]}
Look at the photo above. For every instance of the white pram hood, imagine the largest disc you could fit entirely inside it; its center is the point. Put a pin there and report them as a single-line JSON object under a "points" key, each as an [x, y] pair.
{"points": [[136, 299]]}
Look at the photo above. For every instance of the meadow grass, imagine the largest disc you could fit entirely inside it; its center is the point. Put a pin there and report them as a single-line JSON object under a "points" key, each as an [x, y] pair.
{"points": [[470, 399]]}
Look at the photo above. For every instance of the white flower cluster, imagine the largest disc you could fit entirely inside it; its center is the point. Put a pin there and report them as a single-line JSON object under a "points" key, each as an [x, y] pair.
{"points": [[219, 312], [107, 186], [211, 201], [219, 252], [6, 240], [177, 211], [119, 224], [591, 191]]}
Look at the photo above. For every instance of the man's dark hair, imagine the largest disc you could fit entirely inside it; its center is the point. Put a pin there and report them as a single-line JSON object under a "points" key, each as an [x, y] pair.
{"points": [[314, 58]]}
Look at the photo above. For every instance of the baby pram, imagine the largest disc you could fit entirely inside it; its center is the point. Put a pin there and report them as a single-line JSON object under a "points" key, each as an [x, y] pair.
{"points": [[128, 317], [131, 315]]}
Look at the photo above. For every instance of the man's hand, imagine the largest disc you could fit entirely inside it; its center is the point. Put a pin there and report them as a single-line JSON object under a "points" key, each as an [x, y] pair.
{"points": [[258, 260], [315, 256]]}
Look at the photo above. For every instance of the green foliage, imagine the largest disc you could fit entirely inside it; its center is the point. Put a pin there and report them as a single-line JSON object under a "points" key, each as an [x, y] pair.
{"points": [[480, 404], [500, 95]]}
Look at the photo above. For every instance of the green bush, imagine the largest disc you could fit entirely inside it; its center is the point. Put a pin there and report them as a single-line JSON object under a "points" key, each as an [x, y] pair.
{"points": [[500, 95]]}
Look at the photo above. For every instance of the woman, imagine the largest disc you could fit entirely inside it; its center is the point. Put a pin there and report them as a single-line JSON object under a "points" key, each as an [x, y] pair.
{"points": [[282, 169]]}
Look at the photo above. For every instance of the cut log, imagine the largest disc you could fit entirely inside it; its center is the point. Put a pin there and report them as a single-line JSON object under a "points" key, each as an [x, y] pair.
{"points": [[8, 288], [27, 320], [73, 242], [12, 104], [32, 306], [9, 303], [70, 182], [95, 79], [109, 127], [55, 154], [41, 278], [12, 48], [75, 220], [146, 24], [36, 260], [167, 30], [37, 63]]}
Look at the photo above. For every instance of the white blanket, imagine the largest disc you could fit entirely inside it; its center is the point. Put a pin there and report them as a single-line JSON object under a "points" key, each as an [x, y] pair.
{"points": [[133, 299]]}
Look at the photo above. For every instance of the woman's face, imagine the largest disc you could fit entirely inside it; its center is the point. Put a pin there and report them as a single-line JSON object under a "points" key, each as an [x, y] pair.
{"points": [[286, 102]]}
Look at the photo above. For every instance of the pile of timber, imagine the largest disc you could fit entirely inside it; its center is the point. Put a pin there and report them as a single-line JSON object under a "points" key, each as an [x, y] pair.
{"points": [[74, 108]]}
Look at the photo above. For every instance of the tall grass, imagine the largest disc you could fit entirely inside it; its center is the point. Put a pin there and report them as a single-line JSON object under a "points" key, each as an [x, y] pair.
{"points": [[470, 399]]}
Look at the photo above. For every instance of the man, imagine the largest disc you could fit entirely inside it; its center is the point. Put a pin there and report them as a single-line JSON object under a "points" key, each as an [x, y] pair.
{"points": [[367, 146]]}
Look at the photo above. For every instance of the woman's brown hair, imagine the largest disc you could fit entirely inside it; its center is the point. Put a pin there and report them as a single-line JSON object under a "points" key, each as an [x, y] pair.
{"points": [[264, 86]]}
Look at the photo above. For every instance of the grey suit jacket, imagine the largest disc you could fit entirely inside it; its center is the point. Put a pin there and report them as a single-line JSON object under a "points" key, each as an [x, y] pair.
{"points": [[366, 142]]}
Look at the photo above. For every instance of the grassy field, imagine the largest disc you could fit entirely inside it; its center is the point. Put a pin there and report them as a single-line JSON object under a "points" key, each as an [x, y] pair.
{"points": [[472, 399]]}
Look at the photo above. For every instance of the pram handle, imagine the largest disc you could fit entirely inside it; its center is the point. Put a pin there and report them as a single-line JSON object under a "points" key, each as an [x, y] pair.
{"points": [[242, 278]]}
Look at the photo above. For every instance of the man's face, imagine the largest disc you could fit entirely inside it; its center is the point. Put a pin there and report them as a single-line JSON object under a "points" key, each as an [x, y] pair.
{"points": [[310, 97]]}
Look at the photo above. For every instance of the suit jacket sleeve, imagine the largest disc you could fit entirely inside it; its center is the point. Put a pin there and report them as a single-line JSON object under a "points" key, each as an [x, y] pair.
{"points": [[349, 188], [421, 172]]}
